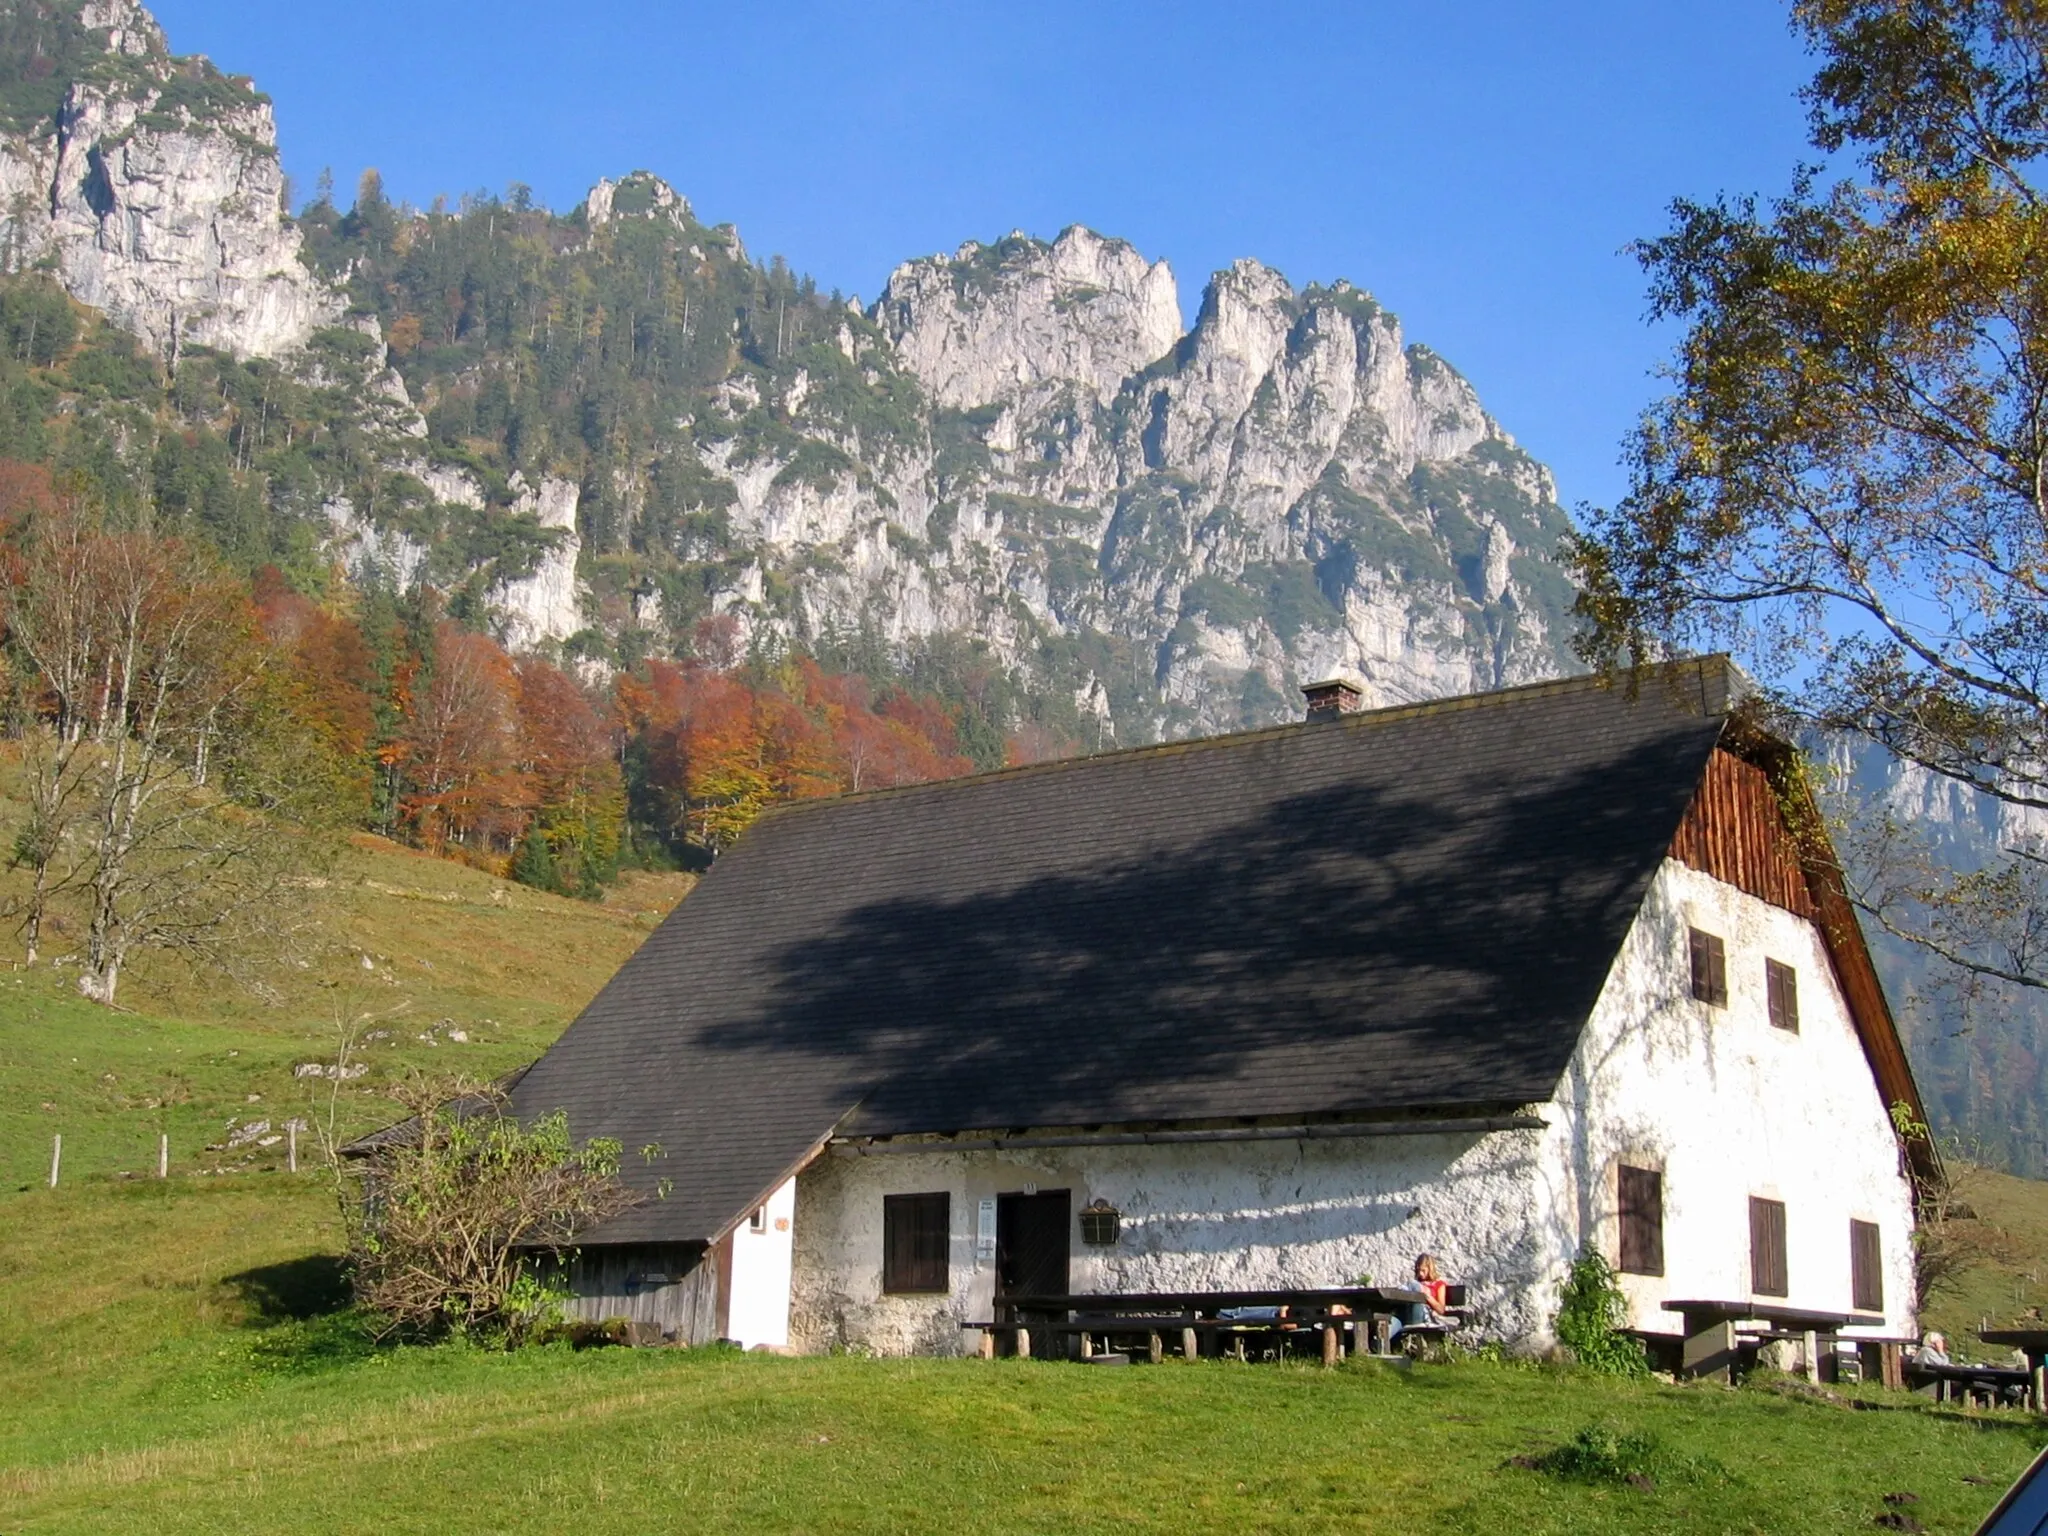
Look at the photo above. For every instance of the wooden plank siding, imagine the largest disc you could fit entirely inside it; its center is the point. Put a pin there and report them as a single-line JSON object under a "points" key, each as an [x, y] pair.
{"points": [[1734, 831], [612, 1282], [1756, 825]]}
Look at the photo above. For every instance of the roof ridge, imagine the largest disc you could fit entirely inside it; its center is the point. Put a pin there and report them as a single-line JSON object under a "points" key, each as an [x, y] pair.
{"points": [[1714, 668]]}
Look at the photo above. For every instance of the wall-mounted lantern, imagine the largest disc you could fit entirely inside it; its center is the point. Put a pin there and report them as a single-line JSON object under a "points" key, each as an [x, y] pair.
{"points": [[1100, 1223]]}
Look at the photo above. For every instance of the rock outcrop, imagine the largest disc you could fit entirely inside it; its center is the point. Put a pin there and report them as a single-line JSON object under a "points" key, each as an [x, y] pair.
{"points": [[157, 192], [996, 322], [547, 606], [640, 195]]}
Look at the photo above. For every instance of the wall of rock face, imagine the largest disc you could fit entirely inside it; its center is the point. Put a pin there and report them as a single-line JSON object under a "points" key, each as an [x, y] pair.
{"points": [[168, 218]]}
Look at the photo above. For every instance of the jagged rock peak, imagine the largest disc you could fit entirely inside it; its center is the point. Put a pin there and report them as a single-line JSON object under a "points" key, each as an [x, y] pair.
{"points": [[157, 193], [993, 322], [130, 29], [640, 195]]}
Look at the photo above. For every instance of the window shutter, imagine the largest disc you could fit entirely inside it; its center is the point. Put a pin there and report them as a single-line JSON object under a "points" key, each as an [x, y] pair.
{"points": [[1709, 968], [1767, 1275], [1642, 1220], [916, 1230], [1781, 987], [1866, 1267]]}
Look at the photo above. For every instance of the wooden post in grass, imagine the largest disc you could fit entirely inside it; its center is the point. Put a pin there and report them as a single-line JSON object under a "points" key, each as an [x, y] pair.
{"points": [[291, 1146], [1333, 1339], [56, 1157], [163, 1155]]}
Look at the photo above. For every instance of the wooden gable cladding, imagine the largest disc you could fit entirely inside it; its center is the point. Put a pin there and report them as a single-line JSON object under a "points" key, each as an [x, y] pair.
{"points": [[1735, 831]]}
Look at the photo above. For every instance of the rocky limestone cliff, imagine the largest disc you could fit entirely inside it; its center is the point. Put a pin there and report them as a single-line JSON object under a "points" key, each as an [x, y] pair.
{"points": [[1285, 491], [997, 322], [157, 194], [641, 194], [547, 606]]}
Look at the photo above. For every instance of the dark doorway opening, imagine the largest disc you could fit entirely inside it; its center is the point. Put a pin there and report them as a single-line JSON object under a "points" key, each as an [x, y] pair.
{"points": [[1032, 1244]]}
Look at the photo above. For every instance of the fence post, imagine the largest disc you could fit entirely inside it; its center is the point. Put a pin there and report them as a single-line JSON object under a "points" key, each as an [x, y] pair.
{"points": [[56, 1157], [163, 1155], [291, 1146]]}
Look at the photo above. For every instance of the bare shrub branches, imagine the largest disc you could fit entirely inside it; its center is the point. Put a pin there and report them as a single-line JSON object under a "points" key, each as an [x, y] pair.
{"points": [[465, 1211]]}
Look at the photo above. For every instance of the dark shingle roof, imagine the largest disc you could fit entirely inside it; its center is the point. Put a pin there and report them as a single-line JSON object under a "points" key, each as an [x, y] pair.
{"points": [[1403, 909]]}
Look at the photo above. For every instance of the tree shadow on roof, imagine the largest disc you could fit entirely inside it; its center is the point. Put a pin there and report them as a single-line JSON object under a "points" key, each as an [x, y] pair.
{"points": [[1357, 946]]}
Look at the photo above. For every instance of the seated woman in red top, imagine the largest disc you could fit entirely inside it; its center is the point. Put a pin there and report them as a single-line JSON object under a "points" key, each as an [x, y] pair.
{"points": [[1436, 1290], [1435, 1305]]}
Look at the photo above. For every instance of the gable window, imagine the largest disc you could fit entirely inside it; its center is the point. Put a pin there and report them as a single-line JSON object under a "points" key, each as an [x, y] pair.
{"points": [[915, 1230], [1641, 1192], [1866, 1267], [1767, 1248], [1781, 988], [1709, 968], [758, 1222]]}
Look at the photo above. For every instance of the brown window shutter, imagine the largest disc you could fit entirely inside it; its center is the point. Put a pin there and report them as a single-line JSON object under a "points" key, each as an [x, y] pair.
{"points": [[1866, 1267], [1641, 1193], [1781, 987], [916, 1230], [1767, 1275], [1709, 968]]}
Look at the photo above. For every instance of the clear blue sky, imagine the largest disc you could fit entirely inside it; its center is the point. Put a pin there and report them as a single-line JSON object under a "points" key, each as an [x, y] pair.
{"points": [[1478, 164]]}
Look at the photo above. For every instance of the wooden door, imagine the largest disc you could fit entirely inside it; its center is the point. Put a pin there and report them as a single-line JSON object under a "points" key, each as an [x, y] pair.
{"points": [[1032, 1243]]}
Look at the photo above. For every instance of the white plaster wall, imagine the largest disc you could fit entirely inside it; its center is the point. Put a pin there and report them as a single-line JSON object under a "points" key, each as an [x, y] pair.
{"points": [[1233, 1215], [758, 1309], [1728, 1107]]}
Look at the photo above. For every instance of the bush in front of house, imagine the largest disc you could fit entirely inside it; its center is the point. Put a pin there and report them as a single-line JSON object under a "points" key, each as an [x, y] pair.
{"points": [[1590, 1315], [464, 1220]]}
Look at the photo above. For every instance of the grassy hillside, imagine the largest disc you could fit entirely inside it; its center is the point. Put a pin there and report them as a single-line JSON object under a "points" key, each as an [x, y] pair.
{"points": [[2009, 1231], [424, 949]]}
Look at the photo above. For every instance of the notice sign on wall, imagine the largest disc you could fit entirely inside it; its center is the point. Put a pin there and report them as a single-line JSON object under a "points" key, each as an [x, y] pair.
{"points": [[985, 1231]]}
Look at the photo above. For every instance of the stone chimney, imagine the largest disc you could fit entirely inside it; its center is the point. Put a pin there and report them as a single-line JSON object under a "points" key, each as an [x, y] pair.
{"points": [[1333, 697]]}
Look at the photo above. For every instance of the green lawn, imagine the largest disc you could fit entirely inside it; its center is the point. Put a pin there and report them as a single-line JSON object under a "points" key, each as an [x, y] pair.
{"points": [[171, 1360]]}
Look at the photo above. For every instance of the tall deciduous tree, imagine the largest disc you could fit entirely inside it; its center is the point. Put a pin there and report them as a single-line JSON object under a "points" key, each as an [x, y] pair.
{"points": [[1849, 483], [146, 671]]}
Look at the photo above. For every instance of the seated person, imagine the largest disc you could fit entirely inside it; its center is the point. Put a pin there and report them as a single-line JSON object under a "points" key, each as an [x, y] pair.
{"points": [[1434, 1308], [1933, 1350]]}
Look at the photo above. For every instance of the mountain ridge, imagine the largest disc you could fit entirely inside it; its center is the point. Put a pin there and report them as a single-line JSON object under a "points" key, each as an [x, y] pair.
{"points": [[1166, 528]]}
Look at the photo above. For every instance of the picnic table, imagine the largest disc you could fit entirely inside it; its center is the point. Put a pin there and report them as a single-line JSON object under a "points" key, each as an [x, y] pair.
{"points": [[2033, 1343], [1967, 1379], [1713, 1343], [1211, 1320]]}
